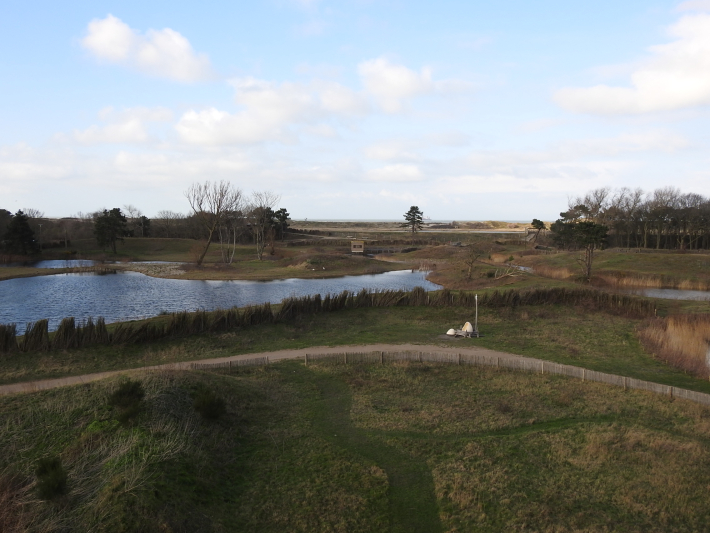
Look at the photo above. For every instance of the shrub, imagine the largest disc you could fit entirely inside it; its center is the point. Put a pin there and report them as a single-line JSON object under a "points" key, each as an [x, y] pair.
{"points": [[209, 405], [51, 477], [129, 392], [127, 399]]}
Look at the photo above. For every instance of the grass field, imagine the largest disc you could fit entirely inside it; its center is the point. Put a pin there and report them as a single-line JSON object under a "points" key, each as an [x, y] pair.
{"points": [[564, 334], [397, 447]]}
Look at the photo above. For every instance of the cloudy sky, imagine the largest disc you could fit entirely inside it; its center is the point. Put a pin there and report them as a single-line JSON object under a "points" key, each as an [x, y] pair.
{"points": [[352, 109]]}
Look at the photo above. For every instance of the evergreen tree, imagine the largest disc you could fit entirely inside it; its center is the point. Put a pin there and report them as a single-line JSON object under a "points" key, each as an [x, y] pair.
{"points": [[281, 217], [413, 219], [109, 227], [19, 237]]}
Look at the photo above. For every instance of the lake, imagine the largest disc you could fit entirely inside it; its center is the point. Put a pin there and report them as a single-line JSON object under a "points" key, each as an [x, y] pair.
{"points": [[131, 296]]}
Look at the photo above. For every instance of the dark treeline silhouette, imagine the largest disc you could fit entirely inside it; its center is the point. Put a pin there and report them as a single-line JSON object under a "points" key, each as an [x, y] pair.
{"points": [[664, 219]]}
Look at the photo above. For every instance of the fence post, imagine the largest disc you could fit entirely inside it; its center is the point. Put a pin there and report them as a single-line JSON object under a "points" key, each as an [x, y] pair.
{"points": [[382, 358], [306, 359], [670, 392], [230, 366], [459, 359], [420, 357], [267, 360], [542, 367], [625, 385], [346, 358], [498, 362], [584, 374]]}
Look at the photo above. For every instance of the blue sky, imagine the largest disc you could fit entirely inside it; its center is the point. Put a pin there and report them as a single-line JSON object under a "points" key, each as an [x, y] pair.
{"points": [[352, 109]]}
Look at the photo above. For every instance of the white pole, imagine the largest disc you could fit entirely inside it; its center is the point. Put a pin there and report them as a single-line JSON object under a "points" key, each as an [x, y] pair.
{"points": [[476, 327]]}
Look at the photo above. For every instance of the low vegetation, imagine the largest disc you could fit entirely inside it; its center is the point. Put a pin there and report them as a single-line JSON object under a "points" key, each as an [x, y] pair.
{"points": [[682, 340], [330, 447]]}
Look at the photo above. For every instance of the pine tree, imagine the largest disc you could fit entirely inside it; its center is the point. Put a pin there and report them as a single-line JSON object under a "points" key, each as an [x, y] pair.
{"points": [[109, 227], [19, 237], [413, 219]]}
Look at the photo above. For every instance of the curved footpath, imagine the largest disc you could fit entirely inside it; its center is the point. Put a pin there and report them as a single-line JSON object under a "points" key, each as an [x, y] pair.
{"points": [[31, 386], [425, 352]]}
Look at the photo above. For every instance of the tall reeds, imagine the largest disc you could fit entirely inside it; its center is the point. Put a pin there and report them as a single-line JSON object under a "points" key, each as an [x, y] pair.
{"points": [[36, 337], [185, 323], [8, 338], [650, 281], [682, 341]]}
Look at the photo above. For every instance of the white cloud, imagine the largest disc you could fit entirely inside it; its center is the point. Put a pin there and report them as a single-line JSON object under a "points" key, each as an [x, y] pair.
{"points": [[391, 84], [270, 111], [694, 5], [126, 126], [162, 53], [676, 76], [397, 173]]}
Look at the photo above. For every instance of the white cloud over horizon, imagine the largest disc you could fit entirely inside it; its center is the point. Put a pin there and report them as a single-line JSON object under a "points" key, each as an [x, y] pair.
{"points": [[676, 76], [122, 127], [160, 53]]}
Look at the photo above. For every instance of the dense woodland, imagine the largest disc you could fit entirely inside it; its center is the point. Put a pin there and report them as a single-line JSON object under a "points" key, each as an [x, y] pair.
{"points": [[665, 219]]}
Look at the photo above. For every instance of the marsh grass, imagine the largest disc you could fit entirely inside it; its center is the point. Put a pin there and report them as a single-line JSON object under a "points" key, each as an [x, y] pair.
{"points": [[682, 341]]}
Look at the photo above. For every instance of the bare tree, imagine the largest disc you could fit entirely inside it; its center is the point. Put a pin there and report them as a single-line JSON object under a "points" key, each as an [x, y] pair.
{"points": [[261, 218], [168, 221], [472, 255], [211, 202], [31, 212], [230, 230]]}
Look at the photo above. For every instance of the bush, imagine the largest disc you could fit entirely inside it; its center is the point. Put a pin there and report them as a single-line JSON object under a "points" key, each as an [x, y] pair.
{"points": [[209, 405], [127, 399], [491, 274], [51, 477]]}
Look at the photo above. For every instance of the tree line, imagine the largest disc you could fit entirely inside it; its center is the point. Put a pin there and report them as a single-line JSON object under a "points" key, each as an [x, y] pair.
{"points": [[219, 212], [663, 219]]}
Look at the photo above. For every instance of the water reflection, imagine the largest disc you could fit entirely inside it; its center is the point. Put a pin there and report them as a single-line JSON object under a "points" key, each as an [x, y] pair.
{"points": [[130, 295]]}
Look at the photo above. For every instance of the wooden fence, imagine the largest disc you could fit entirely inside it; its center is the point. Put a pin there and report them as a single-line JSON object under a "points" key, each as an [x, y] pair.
{"points": [[524, 364], [231, 364]]}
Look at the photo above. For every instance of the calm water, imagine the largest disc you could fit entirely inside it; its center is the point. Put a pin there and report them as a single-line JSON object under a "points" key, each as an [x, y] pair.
{"points": [[130, 295], [671, 294], [55, 263]]}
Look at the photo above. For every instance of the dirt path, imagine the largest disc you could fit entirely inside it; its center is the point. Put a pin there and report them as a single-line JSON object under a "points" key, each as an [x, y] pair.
{"points": [[30, 386]]}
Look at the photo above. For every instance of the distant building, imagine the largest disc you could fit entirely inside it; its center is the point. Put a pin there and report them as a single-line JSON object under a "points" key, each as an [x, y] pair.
{"points": [[357, 247]]}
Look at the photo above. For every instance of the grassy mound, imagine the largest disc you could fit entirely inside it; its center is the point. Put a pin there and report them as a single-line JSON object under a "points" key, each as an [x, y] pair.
{"points": [[330, 447]]}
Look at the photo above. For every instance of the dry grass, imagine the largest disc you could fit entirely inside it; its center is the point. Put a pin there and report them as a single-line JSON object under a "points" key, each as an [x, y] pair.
{"points": [[649, 281], [554, 273], [683, 341]]}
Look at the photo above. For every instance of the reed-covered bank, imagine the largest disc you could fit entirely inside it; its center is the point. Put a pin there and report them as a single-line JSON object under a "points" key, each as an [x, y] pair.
{"points": [[682, 341], [623, 280], [88, 333]]}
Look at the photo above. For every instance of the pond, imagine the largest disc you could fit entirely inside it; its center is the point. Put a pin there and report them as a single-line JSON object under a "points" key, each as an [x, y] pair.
{"points": [[54, 263], [131, 296], [74, 263], [670, 294]]}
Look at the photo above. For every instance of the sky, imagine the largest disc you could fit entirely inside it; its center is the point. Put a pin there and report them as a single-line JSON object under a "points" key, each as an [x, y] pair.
{"points": [[352, 109]]}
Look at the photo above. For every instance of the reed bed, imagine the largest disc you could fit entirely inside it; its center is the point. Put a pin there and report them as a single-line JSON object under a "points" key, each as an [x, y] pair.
{"points": [[553, 272], [185, 323], [8, 338], [682, 341], [650, 281]]}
